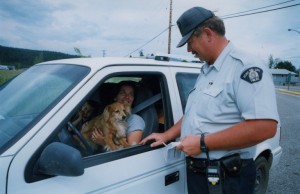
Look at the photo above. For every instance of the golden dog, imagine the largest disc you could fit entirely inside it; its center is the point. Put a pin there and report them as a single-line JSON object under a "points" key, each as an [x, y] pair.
{"points": [[113, 124]]}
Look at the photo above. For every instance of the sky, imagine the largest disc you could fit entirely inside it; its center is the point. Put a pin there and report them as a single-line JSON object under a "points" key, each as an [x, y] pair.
{"points": [[120, 28]]}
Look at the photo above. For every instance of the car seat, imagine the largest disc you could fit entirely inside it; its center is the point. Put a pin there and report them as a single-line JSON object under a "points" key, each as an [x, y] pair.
{"points": [[149, 114]]}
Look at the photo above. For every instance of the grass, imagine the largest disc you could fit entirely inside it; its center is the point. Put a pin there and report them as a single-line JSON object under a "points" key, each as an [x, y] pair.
{"points": [[6, 75]]}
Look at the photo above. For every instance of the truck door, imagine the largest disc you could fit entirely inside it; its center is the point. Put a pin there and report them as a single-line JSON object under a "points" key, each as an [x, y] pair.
{"points": [[137, 169]]}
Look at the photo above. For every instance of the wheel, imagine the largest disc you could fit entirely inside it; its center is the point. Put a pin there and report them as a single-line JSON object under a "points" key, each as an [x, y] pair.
{"points": [[262, 175], [75, 131]]}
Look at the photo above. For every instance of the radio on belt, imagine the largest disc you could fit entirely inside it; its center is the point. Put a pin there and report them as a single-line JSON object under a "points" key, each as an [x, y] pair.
{"points": [[213, 175]]}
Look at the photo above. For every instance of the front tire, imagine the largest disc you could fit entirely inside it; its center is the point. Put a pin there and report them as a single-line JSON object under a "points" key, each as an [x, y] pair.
{"points": [[262, 175]]}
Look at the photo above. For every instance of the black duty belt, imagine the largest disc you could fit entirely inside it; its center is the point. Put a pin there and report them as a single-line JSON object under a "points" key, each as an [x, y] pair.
{"points": [[199, 165]]}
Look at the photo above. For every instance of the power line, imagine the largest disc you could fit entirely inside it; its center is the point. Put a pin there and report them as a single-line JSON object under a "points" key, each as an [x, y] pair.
{"points": [[148, 41], [261, 11], [229, 17], [257, 8]]}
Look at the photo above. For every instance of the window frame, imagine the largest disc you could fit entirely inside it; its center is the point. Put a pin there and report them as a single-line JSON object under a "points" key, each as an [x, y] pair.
{"points": [[101, 158], [183, 88]]}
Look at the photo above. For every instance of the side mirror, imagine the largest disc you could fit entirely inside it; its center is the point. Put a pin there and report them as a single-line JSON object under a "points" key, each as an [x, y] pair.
{"points": [[60, 159]]}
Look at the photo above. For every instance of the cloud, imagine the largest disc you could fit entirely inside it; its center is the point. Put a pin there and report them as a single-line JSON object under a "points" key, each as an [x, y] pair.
{"points": [[26, 12], [120, 27]]}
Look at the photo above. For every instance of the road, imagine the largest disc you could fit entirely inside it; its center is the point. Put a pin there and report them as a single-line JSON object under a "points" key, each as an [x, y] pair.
{"points": [[285, 177], [291, 88]]}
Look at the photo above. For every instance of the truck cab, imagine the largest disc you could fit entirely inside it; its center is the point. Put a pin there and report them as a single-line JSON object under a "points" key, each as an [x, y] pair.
{"points": [[38, 154]]}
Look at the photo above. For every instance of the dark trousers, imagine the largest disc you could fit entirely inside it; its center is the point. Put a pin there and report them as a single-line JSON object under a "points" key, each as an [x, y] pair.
{"points": [[243, 183]]}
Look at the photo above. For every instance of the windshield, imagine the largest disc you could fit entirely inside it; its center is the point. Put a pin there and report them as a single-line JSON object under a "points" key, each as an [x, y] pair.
{"points": [[26, 98]]}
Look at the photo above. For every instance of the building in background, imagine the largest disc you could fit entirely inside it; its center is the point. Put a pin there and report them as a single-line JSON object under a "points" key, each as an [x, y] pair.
{"points": [[283, 76], [4, 67]]}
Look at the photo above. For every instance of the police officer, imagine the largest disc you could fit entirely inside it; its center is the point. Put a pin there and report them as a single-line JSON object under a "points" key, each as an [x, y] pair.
{"points": [[231, 108]]}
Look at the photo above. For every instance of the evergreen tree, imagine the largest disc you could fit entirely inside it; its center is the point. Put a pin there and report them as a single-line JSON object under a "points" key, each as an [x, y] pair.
{"points": [[285, 65], [24, 58]]}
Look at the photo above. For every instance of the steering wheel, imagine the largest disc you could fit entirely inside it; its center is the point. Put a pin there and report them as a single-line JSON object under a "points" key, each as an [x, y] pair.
{"points": [[75, 131]]}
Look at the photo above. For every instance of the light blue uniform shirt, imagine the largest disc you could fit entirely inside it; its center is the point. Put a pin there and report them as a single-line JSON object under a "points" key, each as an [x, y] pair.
{"points": [[221, 98]]}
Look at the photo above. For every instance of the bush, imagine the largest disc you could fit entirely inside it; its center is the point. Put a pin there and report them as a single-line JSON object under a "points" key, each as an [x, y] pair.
{"points": [[6, 75]]}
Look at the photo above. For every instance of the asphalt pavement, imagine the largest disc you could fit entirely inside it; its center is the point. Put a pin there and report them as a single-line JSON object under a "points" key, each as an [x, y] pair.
{"points": [[285, 177]]}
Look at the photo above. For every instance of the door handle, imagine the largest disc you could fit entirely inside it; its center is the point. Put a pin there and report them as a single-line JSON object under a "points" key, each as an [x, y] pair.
{"points": [[171, 178]]}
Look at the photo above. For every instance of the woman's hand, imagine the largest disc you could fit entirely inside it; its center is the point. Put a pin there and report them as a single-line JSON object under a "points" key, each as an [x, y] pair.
{"points": [[97, 137]]}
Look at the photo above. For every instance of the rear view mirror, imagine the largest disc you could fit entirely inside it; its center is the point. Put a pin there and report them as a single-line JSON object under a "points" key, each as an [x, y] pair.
{"points": [[60, 159]]}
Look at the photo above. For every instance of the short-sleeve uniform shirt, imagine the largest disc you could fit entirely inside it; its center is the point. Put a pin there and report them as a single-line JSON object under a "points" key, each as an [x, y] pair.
{"points": [[135, 122], [233, 89]]}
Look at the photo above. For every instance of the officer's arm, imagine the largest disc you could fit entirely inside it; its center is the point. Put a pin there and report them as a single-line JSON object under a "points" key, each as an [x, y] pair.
{"points": [[174, 131], [242, 135], [161, 138]]}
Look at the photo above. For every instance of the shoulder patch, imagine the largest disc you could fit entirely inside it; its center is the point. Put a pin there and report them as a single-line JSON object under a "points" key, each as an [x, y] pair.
{"points": [[252, 74]]}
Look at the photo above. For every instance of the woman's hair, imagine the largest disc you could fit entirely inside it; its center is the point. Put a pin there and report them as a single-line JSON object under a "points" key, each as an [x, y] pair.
{"points": [[215, 23], [94, 105], [125, 83]]}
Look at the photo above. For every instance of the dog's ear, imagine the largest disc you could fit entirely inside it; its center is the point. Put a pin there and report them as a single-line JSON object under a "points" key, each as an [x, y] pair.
{"points": [[106, 112], [127, 109]]}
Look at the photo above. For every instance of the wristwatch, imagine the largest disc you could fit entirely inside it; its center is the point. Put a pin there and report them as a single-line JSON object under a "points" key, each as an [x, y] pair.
{"points": [[202, 144]]}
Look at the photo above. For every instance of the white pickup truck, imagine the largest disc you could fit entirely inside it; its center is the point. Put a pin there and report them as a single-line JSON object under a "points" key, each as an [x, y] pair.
{"points": [[39, 155]]}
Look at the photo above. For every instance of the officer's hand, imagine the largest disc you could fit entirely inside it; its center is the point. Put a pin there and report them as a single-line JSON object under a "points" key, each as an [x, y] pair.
{"points": [[159, 139], [190, 145]]}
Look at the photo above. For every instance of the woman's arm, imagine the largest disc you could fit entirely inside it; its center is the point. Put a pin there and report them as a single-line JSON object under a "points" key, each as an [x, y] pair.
{"points": [[134, 137]]}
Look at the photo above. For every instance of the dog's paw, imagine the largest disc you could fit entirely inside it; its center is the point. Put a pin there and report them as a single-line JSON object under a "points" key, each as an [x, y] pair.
{"points": [[107, 148]]}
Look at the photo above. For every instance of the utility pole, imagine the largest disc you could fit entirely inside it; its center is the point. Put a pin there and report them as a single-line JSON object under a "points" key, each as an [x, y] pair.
{"points": [[170, 26], [103, 53]]}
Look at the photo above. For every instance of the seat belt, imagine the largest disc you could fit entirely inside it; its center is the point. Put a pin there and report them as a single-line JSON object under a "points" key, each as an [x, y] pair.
{"points": [[146, 103]]}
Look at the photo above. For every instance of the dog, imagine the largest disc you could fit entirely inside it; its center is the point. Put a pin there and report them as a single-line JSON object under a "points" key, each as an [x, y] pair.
{"points": [[113, 124]]}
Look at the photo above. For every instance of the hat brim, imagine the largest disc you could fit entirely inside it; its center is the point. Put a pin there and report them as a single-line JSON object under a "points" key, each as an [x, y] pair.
{"points": [[185, 39]]}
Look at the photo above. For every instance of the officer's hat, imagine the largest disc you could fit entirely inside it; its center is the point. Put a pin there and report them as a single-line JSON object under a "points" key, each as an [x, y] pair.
{"points": [[189, 20]]}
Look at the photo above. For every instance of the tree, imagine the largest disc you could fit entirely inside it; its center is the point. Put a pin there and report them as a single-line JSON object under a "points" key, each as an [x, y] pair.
{"points": [[141, 53], [285, 65], [78, 52], [271, 62], [39, 58], [24, 58]]}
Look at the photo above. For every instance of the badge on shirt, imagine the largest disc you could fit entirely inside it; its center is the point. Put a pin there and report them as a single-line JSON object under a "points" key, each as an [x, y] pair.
{"points": [[252, 74]]}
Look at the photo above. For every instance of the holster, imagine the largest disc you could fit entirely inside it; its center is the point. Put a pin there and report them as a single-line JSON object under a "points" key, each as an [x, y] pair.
{"points": [[232, 164]]}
